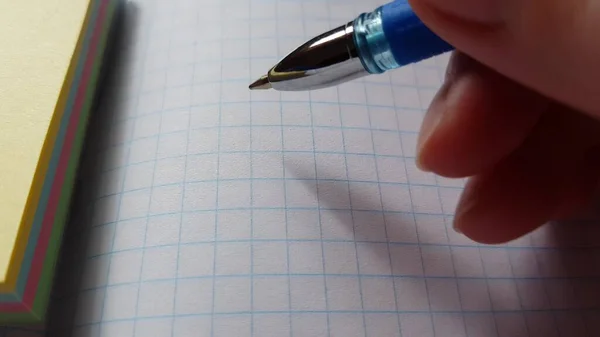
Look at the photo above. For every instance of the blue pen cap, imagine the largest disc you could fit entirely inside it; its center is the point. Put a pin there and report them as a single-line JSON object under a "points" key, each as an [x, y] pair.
{"points": [[392, 36]]}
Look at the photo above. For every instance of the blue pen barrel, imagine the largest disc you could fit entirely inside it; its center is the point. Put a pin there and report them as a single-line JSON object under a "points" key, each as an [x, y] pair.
{"points": [[393, 36]]}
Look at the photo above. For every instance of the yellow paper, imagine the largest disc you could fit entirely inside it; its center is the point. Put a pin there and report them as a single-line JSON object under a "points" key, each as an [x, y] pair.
{"points": [[37, 47]]}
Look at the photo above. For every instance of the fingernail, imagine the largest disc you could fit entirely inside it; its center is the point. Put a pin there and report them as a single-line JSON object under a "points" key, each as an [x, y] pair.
{"points": [[458, 65], [462, 210], [430, 123], [467, 203], [483, 11]]}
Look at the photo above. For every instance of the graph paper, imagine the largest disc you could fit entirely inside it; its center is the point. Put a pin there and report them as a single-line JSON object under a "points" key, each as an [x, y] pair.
{"points": [[204, 209]]}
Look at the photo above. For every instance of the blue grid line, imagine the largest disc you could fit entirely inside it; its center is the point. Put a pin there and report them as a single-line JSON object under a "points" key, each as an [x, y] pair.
{"points": [[514, 279], [262, 152], [214, 270], [207, 181], [316, 180], [360, 281], [185, 165], [146, 40], [147, 220], [283, 172], [358, 312], [341, 104], [417, 232], [391, 243], [124, 284], [586, 248], [385, 225], [247, 80], [276, 209], [269, 152], [487, 285], [252, 328], [546, 292], [439, 199], [242, 126], [401, 243], [595, 279]]}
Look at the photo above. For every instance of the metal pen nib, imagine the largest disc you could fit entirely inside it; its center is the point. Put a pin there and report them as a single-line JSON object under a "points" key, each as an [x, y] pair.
{"points": [[261, 83], [326, 60]]}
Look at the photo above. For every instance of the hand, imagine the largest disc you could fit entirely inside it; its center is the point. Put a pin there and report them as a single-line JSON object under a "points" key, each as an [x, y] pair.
{"points": [[519, 115]]}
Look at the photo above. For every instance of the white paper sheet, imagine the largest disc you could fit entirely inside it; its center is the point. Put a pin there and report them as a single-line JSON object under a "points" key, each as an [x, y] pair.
{"points": [[209, 210]]}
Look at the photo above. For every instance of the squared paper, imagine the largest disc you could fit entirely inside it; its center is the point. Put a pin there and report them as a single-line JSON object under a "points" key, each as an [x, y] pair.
{"points": [[237, 213]]}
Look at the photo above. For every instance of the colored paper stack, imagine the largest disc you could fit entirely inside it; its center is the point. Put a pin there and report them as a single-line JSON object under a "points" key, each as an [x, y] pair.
{"points": [[50, 62]]}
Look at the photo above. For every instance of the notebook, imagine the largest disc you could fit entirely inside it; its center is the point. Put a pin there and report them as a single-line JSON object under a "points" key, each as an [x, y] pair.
{"points": [[49, 66], [205, 209]]}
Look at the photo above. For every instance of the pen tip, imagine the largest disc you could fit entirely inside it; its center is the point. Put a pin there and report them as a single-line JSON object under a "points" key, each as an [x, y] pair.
{"points": [[261, 83]]}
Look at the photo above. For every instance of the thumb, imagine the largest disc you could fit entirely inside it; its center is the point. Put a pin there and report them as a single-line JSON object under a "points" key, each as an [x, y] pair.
{"points": [[550, 46]]}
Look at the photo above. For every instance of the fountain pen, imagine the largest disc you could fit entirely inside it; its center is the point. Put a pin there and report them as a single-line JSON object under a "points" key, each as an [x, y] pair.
{"points": [[389, 37]]}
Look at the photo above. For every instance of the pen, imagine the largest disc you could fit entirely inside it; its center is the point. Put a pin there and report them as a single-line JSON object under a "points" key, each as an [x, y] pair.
{"points": [[389, 37]]}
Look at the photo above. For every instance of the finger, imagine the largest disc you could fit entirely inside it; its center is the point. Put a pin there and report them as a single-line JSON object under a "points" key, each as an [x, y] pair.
{"points": [[477, 118], [553, 173], [547, 45], [580, 193], [504, 206]]}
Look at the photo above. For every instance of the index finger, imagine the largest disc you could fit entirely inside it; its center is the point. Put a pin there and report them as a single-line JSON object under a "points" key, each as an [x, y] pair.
{"points": [[477, 118]]}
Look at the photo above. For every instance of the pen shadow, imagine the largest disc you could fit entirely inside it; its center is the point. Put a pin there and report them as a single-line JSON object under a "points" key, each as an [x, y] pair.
{"points": [[382, 236], [355, 205], [78, 234], [554, 275]]}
